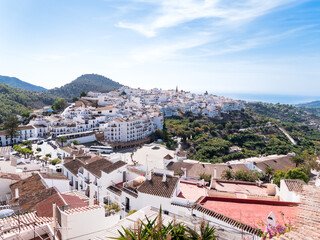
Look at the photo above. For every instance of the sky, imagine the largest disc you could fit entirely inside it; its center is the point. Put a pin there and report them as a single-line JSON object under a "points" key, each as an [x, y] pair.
{"points": [[222, 46]]}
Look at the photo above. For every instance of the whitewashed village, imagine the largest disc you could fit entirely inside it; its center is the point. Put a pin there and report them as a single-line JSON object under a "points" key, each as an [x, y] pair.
{"points": [[94, 169]]}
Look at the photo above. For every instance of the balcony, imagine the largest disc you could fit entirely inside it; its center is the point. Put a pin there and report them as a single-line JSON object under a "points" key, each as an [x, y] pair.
{"points": [[87, 180]]}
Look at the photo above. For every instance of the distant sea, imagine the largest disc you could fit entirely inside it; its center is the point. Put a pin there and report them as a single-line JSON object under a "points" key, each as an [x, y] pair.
{"points": [[270, 98]]}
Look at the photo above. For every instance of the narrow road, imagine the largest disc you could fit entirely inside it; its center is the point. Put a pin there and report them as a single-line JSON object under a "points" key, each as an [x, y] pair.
{"points": [[287, 135]]}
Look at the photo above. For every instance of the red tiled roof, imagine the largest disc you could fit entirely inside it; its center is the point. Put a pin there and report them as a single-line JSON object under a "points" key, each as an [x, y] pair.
{"points": [[31, 192], [44, 208], [294, 185], [26, 222], [82, 209], [156, 187], [168, 157], [251, 211]]}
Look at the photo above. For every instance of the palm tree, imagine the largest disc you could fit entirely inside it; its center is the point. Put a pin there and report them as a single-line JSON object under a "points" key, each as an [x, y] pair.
{"points": [[62, 140], [11, 126], [269, 172], [155, 229]]}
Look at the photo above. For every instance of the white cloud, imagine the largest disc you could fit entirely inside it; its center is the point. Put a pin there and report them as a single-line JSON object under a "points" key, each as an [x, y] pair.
{"points": [[169, 13]]}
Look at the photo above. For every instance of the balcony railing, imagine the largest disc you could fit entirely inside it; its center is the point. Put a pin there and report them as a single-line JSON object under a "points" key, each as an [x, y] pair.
{"points": [[87, 180]]}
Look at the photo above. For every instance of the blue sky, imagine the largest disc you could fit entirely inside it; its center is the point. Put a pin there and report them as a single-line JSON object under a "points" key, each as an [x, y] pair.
{"points": [[235, 46]]}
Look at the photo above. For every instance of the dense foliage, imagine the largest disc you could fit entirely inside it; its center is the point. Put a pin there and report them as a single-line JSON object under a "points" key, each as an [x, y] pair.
{"points": [[17, 83], [18, 101], [243, 134], [87, 82], [296, 173], [59, 104]]}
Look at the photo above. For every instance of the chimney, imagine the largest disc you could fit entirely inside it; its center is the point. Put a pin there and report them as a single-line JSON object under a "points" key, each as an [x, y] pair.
{"points": [[215, 173], [54, 216], [148, 176], [184, 172], [74, 157], [91, 200], [164, 178], [16, 193]]}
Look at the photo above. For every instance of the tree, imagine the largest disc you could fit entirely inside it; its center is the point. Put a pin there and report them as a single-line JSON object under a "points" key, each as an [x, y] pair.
{"points": [[11, 126], [83, 94], [269, 172], [227, 174], [75, 99], [62, 140], [296, 173], [229, 125], [59, 104]]}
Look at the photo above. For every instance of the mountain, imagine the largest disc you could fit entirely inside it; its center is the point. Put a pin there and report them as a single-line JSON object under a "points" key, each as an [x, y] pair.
{"points": [[86, 82], [15, 82], [16, 100], [314, 104]]}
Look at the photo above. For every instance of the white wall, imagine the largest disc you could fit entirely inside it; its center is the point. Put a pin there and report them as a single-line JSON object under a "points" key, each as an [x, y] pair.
{"points": [[86, 225], [286, 195], [61, 184]]}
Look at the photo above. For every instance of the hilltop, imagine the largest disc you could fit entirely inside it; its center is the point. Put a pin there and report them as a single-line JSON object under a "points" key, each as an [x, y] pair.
{"points": [[314, 104], [17, 83], [86, 82]]}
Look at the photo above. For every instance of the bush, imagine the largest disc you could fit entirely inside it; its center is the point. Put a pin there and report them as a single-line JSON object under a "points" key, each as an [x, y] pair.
{"points": [[27, 143], [131, 212], [38, 149], [55, 161], [296, 173], [112, 207], [48, 155], [248, 176]]}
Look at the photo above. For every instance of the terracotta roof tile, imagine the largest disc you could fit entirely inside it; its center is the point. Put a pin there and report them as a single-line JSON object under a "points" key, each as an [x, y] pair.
{"points": [[157, 187], [114, 166], [73, 166], [96, 166], [31, 192], [44, 208], [294, 185]]}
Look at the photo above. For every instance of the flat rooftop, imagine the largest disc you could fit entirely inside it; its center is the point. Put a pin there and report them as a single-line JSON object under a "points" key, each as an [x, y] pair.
{"points": [[251, 211], [191, 191], [151, 154], [241, 188]]}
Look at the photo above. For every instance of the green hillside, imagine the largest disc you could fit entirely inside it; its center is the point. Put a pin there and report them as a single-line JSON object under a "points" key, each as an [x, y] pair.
{"points": [[314, 104], [87, 82], [16, 101], [15, 82]]}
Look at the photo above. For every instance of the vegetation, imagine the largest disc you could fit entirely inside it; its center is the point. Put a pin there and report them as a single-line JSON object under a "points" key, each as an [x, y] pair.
{"points": [[62, 140], [17, 101], [11, 126], [55, 161], [243, 175], [89, 82], [131, 212], [59, 104], [155, 229], [296, 173], [254, 132], [314, 104], [23, 150], [17, 83], [112, 207]]}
